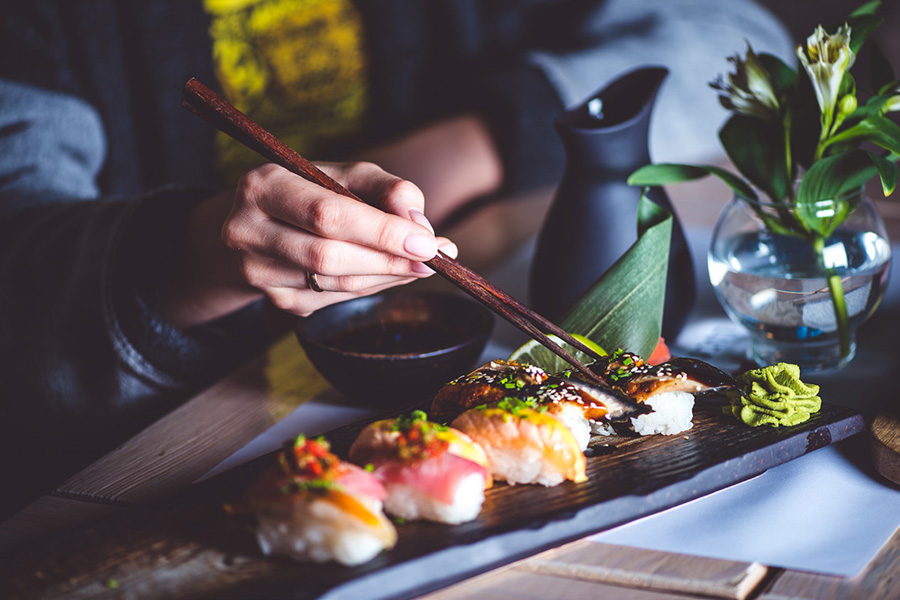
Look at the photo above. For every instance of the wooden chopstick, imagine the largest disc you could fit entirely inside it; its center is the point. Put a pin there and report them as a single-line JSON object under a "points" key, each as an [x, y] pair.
{"points": [[211, 107]]}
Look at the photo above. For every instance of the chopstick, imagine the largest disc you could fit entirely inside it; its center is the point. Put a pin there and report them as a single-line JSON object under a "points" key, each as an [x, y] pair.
{"points": [[211, 107]]}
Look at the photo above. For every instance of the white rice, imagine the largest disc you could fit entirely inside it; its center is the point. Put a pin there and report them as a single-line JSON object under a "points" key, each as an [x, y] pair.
{"points": [[525, 464], [672, 413], [411, 503], [319, 531], [572, 416]]}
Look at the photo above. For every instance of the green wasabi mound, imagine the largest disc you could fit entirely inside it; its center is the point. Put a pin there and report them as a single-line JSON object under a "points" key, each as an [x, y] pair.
{"points": [[774, 396]]}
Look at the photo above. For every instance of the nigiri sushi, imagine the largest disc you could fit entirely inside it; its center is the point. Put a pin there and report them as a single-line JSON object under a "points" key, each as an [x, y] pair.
{"points": [[316, 507], [488, 383], [523, 443], [429, 471], [668, 389], [573, 399]]}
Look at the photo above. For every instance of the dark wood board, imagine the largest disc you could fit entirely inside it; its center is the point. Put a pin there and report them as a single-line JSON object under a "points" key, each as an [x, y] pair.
{"points": [[187, 547]]}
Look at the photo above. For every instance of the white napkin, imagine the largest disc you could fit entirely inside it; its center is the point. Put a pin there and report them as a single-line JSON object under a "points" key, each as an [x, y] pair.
{"points": [[821, 512]]}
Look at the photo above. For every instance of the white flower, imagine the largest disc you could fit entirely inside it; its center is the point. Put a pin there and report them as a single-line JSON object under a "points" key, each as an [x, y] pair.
{"points": [[826, 59], [748, 90]]}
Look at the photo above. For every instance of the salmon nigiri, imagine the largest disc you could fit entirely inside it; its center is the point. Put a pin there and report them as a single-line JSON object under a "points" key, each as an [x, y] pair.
{"points": [[523, 443]]}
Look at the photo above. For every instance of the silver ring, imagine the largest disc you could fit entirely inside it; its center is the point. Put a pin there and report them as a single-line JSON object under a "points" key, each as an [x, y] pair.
{"points": [[313, 282]]}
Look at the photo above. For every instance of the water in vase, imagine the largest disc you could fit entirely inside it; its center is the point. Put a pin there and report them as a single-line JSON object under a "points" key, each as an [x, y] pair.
{"points": [[774, 286]]}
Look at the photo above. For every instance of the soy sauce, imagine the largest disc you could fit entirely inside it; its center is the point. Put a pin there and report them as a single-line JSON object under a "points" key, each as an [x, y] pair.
{"points": [[393, 338]]}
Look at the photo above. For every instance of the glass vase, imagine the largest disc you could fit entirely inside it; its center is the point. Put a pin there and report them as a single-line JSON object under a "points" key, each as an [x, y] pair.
{"points": [[782, 282]]}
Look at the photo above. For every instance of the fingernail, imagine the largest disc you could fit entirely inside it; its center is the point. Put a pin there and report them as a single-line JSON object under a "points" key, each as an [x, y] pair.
{"points": [[450, 249], [420, 245], [419, 217], [422, 268]]}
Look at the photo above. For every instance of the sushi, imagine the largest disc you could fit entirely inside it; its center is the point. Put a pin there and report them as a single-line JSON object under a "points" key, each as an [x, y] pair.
{"points": [[315, 507], [574, 400], [430, 471], [668, 389], [523, 443], [488, 383]]}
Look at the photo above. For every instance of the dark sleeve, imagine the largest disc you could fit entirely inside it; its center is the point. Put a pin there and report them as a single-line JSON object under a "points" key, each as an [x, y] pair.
{"points": [[87, 361]]}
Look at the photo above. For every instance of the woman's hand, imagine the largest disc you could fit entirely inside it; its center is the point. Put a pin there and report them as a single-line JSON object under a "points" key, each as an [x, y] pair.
{"points": [[277, 227]]}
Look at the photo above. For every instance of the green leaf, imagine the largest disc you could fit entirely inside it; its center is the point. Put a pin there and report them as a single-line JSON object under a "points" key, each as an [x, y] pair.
{"points": [[666, 173], [887, 171], [782, 77], [832, 178], [868, 8], [873, 106], [756, 149], [880, 131], [624, 308], [862, 26]]}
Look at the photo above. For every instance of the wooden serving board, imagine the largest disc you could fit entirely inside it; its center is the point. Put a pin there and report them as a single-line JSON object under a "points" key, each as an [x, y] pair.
{"points": [[187, 547]]}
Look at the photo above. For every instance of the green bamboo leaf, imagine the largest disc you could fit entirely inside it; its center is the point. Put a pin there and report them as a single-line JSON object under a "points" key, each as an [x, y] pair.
{"points": [[624, 308], [880, 131], [665, 173], [756, 149]]}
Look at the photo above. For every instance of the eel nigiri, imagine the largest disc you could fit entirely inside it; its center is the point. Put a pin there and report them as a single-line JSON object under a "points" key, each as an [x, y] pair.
{"points": [[315, 507], [668, 389], [523, 443], [488, 383], [429, 471], [577, 402]]}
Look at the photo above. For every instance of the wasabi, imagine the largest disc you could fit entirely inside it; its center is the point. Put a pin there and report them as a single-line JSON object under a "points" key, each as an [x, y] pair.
{"points": [[774, 396]]}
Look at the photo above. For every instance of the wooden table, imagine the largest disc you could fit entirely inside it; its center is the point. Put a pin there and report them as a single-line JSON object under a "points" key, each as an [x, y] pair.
{"points": [[175, 451]]}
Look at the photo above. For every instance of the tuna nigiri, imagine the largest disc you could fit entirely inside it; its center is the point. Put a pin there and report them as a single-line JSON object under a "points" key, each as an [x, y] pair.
{"points": [[315, 507], [429, 471]]}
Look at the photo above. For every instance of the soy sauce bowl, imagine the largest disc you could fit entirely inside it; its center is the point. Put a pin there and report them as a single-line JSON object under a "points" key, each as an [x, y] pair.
{"points": [[395, 347]]}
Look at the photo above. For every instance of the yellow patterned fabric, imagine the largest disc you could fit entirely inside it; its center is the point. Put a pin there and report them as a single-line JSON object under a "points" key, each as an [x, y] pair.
{"points": [[297, 67]]}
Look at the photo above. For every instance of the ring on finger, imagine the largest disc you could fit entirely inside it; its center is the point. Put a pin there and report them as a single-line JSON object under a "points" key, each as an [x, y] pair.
{"points": [[312, 281]]}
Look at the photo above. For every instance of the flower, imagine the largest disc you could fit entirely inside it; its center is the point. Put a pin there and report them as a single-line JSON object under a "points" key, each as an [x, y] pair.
{"points": [[786, 149], [826, 59], [749, 89]]}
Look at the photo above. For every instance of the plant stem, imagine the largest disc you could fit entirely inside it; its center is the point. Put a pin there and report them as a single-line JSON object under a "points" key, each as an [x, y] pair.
{"points": [[788, 162], [840, 312], [836, 289]]}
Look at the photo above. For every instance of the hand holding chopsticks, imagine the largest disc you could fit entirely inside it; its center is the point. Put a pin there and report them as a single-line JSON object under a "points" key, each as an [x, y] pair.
{"points": [[217, 111]]}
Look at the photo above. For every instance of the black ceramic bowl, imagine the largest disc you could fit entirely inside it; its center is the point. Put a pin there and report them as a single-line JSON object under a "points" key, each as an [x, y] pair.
{"points": [[395, 347]]}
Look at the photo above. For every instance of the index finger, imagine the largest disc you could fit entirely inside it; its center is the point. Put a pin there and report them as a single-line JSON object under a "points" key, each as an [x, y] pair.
{"points": [[297, 202], [381, 189]]}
